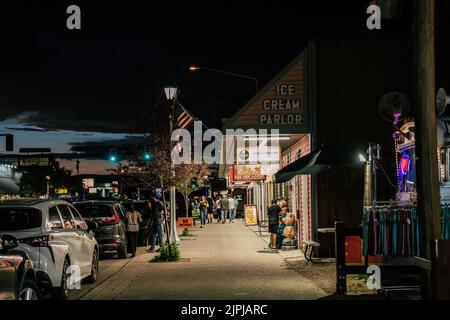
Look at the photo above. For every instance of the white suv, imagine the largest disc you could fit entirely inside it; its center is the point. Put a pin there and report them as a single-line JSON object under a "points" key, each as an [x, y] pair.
{"points": [[55, 237]]}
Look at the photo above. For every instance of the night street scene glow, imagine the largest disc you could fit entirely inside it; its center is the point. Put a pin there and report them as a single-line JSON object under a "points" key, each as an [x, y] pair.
{"points": [[205, 155]]}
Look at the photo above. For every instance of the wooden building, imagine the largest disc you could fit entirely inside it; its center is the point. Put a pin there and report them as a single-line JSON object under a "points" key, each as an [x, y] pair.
{"points": [[329, 95]]}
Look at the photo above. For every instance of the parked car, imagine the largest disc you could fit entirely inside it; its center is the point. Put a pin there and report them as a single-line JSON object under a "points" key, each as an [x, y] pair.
{"points": [[145, 225], [111, 219], [18, 279], [55, 237]]}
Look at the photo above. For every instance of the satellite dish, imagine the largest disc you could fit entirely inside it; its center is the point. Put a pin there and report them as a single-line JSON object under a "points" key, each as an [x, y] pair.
{"points": [[442, 100], [393, 106]]}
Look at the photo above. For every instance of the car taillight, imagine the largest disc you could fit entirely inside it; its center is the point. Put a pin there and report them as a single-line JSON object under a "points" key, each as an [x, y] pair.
{"points": [[114, 219], [40, 241]]}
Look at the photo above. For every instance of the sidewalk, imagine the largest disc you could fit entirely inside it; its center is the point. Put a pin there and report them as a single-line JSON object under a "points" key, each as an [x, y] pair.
{"points": [[221, 261]]}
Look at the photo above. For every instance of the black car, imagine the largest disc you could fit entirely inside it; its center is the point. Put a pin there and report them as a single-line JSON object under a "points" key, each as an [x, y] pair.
{"points": [[17, 276], [110, 216], [145, 226]]}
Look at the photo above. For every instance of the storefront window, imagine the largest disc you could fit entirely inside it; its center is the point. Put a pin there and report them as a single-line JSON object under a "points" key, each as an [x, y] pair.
{"points": [[444, 165]]}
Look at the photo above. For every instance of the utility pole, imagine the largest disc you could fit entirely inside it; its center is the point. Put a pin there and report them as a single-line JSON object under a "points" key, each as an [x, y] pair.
{"points": [[428, 199]]}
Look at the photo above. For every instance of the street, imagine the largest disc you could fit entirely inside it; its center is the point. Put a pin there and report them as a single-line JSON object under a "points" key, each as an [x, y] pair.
{"points": [[221, 261]]}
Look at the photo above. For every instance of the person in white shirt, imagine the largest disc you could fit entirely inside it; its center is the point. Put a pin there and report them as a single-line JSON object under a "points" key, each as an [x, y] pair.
{"points": [[231, 208], [134, 218]]}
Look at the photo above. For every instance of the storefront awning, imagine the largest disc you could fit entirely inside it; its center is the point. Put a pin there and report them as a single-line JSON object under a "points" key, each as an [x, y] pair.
{"points": [[319, 160]]}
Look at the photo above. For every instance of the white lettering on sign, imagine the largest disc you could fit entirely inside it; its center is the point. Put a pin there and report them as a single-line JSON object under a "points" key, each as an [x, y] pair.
{"points": [[281, 119], [290, 109], [285, 89], [281, 104]]}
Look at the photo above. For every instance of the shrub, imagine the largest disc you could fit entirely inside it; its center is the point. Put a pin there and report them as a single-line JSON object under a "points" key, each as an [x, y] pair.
{"points": [[168, 252]]}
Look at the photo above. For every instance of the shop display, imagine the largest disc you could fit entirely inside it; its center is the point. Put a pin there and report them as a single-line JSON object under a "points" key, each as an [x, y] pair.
{"points": [[391, 231], [445, 222]]}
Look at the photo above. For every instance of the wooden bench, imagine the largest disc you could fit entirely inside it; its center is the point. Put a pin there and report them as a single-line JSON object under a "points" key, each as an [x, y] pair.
{"points": [[309, 245]]}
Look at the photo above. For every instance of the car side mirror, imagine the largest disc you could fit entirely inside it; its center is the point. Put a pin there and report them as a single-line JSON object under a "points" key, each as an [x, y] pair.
{"points": [[8, 242], [91, 225]]}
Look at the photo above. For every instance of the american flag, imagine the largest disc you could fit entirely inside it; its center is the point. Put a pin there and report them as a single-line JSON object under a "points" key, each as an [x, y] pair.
{"points": [[185, 119]]}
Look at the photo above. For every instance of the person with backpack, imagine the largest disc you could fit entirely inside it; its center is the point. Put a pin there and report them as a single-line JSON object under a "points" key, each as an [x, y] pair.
{"points": [[157, 219]]}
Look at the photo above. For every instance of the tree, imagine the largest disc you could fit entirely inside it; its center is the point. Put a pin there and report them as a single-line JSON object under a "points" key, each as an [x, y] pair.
{"points": [[185, 175], [34, 181], [157, 172]]}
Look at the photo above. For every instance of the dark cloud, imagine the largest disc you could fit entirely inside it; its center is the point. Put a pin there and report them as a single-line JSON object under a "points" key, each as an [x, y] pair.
{"points": [[100, 149], [26, 129]]}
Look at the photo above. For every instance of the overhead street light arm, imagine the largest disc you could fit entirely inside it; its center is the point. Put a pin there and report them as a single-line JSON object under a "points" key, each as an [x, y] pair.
{"points": [[195, 68]]}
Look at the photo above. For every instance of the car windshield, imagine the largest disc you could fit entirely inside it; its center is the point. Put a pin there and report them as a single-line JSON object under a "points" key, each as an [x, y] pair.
{"points": [[19, 218], [94, 210]]}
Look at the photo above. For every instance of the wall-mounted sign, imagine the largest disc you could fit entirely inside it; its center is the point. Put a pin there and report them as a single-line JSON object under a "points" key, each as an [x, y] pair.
{"points": [[88, 183], [282, 104], [258, 154], [286, 107], [248, 173], [250, 214]]}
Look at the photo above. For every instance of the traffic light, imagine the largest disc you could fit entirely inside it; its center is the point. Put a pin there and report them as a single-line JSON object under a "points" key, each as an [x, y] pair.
{"points": [[194, 184], [148, 156], [113, 155]]}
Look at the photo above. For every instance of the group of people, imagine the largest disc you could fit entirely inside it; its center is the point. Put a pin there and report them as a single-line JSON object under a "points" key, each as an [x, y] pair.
{"points": [[221, 208], [277, 221], [134, 218]]}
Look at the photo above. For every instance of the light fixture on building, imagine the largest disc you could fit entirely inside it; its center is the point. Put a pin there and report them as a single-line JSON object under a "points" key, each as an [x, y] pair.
{"points": [[171, 92], [362, 158]]}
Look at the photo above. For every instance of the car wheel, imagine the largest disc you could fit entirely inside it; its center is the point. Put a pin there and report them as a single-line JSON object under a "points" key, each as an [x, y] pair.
{"points": [[29, 291], [63, 291], [122, 252], [94, 268]]}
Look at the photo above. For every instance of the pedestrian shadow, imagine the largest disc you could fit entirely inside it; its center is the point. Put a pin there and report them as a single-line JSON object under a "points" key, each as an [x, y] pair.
{"points": [[267, 251]]}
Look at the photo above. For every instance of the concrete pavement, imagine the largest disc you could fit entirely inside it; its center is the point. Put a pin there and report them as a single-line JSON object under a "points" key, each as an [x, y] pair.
{"points": [[221, 261]]}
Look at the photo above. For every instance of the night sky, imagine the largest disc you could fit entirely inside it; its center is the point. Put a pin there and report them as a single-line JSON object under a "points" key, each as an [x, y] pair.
{"points": [[61, 88]]}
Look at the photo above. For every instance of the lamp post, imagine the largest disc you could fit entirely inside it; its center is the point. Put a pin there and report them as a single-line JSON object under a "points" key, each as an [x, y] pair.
{"points": [[48, 187], [196, 68], [171, 94]]}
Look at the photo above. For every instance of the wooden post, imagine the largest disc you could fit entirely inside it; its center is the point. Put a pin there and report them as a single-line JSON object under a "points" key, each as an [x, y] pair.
{"points": [[428, 201], [341, 276]]}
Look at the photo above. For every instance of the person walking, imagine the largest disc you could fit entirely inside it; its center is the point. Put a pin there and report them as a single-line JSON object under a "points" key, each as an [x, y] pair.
{"points": [[156, 217], [134, 218], [203, 211], [218, 210], [231, 208], [274, 217], [223, 209], [210, 209]]}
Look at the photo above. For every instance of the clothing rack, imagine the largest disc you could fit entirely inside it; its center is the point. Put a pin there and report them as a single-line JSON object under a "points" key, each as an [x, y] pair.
{"points": [[391, 230]]}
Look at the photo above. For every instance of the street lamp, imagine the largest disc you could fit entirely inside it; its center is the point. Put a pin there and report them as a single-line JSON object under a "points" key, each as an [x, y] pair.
{"points": [[171, 92], [196, 68]]}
